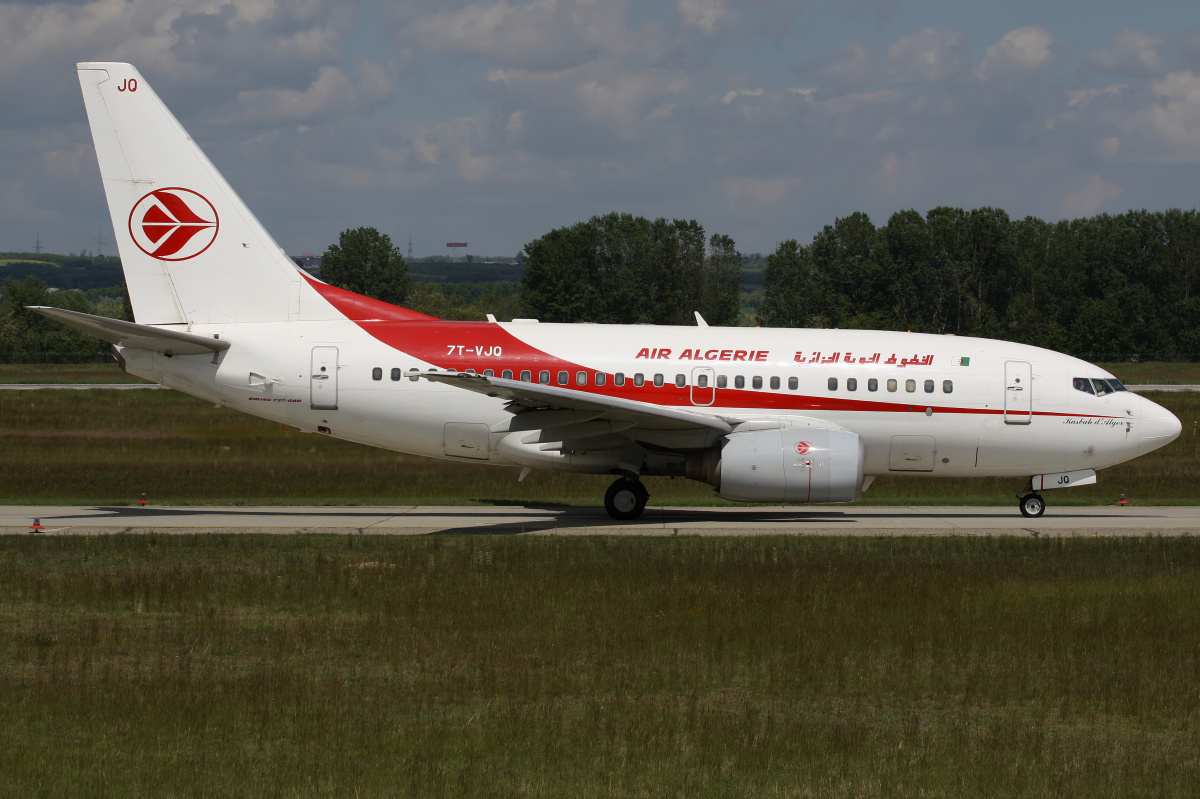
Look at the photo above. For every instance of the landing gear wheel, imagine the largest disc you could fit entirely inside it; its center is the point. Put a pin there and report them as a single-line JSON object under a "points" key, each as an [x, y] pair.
{"points": [[625, 499], [1032, 506]]}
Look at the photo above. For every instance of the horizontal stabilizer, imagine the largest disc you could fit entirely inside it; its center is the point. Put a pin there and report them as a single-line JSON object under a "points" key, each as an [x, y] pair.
{"points": [[133, 335]]}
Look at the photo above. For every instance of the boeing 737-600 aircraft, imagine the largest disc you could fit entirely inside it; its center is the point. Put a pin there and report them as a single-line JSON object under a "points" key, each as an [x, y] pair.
{"points": [[771, 416]]}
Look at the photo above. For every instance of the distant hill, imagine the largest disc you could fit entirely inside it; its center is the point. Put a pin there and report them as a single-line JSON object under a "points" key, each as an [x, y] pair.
{"points": [[63, 271]]}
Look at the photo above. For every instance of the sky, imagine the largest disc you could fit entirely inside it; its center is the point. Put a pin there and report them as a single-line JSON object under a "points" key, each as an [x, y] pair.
{"points": [[494, 122]]}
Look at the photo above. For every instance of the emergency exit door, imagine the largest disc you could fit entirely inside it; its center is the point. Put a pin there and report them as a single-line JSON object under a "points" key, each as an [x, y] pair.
{"points": [[704, 390], [323, 380], [1018, 392]]}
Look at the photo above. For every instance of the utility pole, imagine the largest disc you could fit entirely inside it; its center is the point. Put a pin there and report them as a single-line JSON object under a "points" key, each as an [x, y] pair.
{"points": [[37, 247], [100, 242], [410, 248]]}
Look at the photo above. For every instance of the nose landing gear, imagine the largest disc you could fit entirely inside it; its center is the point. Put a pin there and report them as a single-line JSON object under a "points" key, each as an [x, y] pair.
{"points": [[626, 499]]}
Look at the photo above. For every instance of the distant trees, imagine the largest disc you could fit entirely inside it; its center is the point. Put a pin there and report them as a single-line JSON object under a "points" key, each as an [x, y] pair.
{"points": [[365, 262], [29, 337], [1106, 287], [619, 268]]}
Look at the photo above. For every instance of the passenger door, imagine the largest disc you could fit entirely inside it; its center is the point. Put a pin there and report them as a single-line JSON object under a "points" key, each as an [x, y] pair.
{"points": [[323, 380], [1018, 392]]}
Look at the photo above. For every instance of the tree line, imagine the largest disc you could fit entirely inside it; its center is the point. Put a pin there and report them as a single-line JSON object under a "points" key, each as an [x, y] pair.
{"points": [[1109, 287]]}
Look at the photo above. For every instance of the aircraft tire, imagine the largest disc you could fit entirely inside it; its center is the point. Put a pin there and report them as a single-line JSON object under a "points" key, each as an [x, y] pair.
{"points": [[625, 499], [1032, 506]]}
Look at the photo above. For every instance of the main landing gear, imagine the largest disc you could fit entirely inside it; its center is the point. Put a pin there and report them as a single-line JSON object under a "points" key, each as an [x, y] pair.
{"points": [[1032, 505], [626, 499]]}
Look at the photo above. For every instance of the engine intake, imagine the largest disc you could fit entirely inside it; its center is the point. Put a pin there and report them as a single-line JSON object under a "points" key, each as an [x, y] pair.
{"points": [[791, 465]]}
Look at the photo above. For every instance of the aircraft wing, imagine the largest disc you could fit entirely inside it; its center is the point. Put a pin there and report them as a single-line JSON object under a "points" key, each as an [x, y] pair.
{"points": [[537, 395], [131, 334]]}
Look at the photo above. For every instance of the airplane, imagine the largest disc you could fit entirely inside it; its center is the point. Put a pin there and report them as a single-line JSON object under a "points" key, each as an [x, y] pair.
{"points": [[776, 416]]}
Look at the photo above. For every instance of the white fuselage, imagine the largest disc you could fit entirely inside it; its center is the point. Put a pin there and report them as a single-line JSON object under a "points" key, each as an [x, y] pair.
{"points": [[923, 404]]}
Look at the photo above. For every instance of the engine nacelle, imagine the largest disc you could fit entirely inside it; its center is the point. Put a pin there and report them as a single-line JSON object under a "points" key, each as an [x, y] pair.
{"points": [[791, 465]]}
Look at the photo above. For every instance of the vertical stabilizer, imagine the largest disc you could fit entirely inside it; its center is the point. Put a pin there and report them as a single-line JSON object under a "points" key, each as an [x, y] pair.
{"points": [[191, 250]]}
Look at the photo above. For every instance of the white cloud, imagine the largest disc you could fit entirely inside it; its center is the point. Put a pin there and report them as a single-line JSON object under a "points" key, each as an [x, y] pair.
{"points": [[1087, 200], [706, 15], [1016, 53], [930, 55], [1131, 52]]}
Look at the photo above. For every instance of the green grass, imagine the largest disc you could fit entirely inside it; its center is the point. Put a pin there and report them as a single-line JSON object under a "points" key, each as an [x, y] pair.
{"points": [[529, 666], [108, 372], [1154, 373], [107, 447]]}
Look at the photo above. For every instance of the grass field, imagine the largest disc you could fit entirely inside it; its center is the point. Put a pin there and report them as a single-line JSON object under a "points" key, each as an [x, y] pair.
{"points": [[108, 447], [525, 666], [108, 372]]}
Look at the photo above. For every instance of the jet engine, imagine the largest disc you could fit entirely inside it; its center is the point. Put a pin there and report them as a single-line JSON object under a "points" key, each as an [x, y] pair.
{"points": [[788, 465]]}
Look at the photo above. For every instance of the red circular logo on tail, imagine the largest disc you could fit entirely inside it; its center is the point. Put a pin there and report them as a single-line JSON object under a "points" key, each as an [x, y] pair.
{"points": [[803, 447], [173, 224]]}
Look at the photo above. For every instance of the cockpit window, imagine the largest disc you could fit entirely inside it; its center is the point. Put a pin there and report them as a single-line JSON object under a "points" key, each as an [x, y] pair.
{"points": [[1084, 385], [1116, 384], [1102, 386]]}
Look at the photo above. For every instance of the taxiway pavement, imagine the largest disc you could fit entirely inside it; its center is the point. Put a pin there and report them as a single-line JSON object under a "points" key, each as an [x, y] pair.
{"points": [[421, 520]]}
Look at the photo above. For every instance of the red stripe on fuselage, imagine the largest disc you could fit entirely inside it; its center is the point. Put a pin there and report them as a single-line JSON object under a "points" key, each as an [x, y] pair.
{"points": [[428, 339]]}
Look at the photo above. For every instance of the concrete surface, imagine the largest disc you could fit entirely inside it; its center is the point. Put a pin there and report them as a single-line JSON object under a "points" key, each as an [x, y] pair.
{"points": [[415, 520]]}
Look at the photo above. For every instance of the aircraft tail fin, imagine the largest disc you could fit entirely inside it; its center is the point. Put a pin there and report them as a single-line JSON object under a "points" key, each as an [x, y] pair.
{"points": [[191, 250]]}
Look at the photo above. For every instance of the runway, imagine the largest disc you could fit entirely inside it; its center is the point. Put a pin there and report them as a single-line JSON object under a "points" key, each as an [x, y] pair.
{"points": [[556, 520]]}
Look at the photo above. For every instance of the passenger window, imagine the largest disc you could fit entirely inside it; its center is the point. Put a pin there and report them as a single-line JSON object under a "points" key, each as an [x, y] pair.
{"points": [[639, 379], [506, 374], [412, 378], [702, 381], [928, 386], [793, 384], [581, 378], [774, 383], [739, 382], [872, 385], [526, 376], [563, 377], [833, 384], [489, 373], [395, 375], [722, 381], [947, 386], [680, 381], [891, 385], [756, 382], [619, 379], [544, 377], [377, 373], [470, 371], [600, 378], [910, 386], [852, 384], [658, 380]]}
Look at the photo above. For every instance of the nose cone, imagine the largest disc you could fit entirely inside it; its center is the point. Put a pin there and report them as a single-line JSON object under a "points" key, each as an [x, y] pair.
{"points": [[1159, 426]]}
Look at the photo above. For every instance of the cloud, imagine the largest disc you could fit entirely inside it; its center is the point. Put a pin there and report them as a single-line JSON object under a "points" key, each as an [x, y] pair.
{"points": [[930, 55], [1017, 53], [1087, 200], [1131, 52], [706, 15]]}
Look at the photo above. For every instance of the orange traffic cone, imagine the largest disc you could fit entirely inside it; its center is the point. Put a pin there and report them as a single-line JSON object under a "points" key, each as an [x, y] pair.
{"points": [[143, 500], [36, 527], [1122, 500]]}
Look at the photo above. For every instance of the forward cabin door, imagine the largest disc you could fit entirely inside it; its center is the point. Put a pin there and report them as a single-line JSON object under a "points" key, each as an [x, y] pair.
{"points": [[323, 380], [1018, 392], [704, 390]]}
